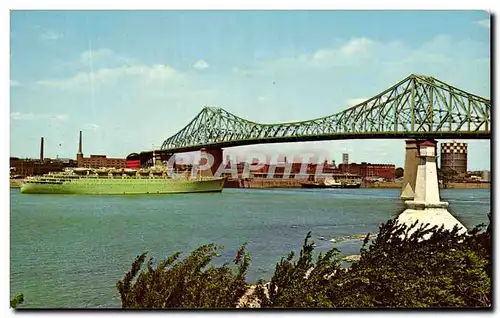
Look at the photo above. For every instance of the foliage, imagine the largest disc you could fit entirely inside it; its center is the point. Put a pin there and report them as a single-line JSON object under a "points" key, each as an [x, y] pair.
{"points": [[410, 267], [300, 284], [185, 283], [400, 269], [16, 301]]}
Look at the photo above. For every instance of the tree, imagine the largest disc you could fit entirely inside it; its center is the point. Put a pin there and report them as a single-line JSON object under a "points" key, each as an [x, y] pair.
{"points": [[409, 267], [185, 283], [400, 270]]}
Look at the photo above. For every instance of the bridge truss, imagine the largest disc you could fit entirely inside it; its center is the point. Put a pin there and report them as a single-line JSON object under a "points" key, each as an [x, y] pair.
{"points": [[417, 107]]}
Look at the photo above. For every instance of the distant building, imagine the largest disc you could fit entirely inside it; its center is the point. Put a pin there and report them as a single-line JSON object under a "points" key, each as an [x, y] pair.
{"points": [[370, 171], [31, 167], [345, 158], [98, 161]]}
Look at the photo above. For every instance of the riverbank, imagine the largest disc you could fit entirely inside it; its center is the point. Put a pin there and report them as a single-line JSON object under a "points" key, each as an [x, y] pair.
{"points": [[293, 183]]}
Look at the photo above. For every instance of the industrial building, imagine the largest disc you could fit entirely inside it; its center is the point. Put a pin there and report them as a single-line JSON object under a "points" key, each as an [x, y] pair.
{"points": [[30, 167], [97, 161], [454, 157], [370, 171]]}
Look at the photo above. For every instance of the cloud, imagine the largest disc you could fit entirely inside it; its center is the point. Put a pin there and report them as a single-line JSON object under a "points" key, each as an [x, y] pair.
{"points": [[357, 46], [14, 83], [484, 23], [103, 58], [348, 67], [49, 35], [200, 65], [355, 101], [350, 53], [91, 126], [61, 117], [358, 54], [108, 76], [32, 116]]}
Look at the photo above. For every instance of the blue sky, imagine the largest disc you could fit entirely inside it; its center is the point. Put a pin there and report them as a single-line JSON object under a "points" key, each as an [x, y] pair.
{"points": [[130, 79]]}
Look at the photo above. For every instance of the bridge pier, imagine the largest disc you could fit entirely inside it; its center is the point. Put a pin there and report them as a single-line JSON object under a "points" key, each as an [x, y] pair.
{"points": [[427, 207], [412, 160], [410, 170], [210, 160]]}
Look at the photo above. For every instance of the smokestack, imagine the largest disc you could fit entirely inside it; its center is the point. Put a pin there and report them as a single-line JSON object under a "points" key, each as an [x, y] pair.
{"points": [[41, 149], [80, 144]]}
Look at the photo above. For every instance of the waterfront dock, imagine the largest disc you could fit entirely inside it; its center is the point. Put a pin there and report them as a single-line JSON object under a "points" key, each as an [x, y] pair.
{"points": [[295, 183]]}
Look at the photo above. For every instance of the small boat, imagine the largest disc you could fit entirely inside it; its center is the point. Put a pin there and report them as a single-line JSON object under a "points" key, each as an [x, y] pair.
{"points": [[331, 183]]}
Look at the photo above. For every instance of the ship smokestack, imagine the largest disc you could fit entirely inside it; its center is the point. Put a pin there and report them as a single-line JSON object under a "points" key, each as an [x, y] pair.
{"points": [[41, 149], [80, 144]]}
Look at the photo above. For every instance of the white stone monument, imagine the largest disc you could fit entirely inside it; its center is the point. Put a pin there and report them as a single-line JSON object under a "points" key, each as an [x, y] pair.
{"points": [[426, 207]]}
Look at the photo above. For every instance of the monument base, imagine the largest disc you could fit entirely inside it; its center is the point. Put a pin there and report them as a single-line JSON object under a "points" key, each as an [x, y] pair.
{"points": [[432, 216], [421, 205]]}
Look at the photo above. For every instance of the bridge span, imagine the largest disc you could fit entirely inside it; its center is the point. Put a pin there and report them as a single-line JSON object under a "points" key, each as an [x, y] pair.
{"points": [[417, 107]]}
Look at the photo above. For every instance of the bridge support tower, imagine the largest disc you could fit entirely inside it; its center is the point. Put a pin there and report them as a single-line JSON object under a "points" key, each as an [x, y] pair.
{"points": [[410, 170], [412, 161], [426, 206]]}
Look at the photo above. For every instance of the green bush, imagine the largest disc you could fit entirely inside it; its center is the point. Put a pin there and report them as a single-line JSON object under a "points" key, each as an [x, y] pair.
{"points": [[400, 270], [185, 283], [397, 269], [16, 301], [289, 286]]}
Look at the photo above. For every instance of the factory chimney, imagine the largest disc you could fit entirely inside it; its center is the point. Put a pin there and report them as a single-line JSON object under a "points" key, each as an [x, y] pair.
{"points": [[79, 155], [41, 149], [80, 144]]}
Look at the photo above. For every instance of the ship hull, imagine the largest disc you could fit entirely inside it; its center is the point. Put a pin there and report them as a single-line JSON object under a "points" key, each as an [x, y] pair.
{"points": [[124, 186]]}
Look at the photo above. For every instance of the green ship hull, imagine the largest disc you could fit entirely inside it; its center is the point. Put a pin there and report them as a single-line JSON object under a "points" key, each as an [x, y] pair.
{"points": [[121, 186]]}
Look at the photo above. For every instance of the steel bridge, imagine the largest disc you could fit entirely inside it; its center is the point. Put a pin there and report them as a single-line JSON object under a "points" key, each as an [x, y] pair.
{"points": [[416, 107]]}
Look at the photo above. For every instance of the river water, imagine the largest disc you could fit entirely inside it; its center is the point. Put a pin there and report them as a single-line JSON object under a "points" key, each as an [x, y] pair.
{"points": [[69, 251]]}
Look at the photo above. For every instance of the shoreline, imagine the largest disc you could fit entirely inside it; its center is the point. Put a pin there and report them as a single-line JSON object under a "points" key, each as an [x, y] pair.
{"points": [[295, 184]]}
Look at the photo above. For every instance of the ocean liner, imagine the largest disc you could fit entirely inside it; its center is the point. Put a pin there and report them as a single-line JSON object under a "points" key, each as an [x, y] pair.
{"points": [[154, 180]]}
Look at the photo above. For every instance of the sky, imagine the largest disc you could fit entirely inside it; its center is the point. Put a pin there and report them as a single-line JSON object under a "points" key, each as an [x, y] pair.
{"points": [[131, 79]]}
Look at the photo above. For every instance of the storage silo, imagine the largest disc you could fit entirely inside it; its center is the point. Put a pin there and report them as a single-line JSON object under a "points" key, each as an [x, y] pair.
{"points": [[454, 157]]}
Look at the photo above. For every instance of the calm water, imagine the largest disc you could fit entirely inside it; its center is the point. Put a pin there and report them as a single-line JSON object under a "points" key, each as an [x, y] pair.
{"points": [[69, 251]]}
